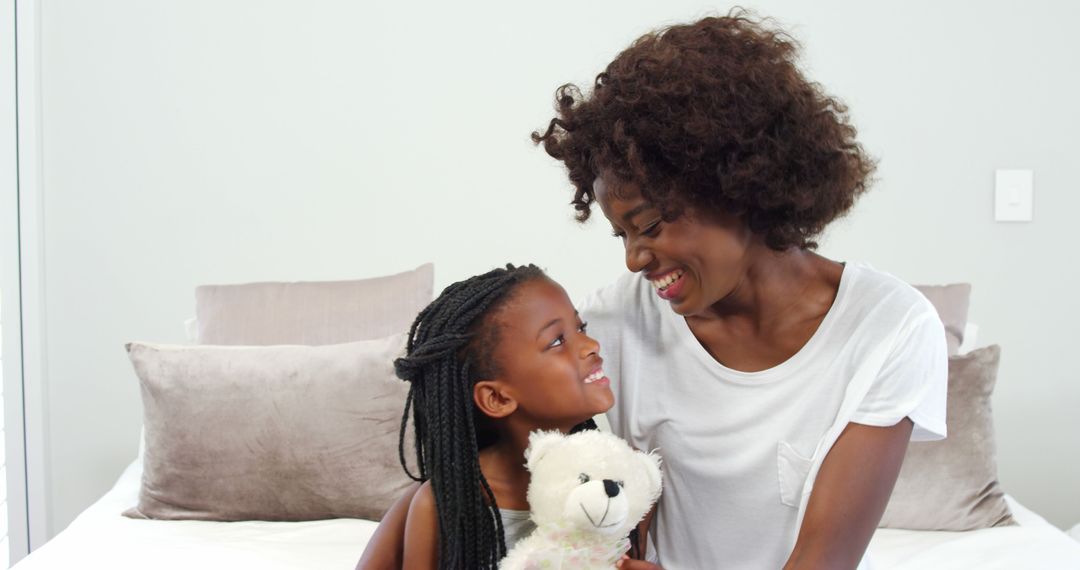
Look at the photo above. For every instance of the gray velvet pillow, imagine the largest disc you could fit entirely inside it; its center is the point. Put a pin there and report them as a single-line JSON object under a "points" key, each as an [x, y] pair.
{"points": [[952, 302], [952, 484], [311, 312], [283, 433]]}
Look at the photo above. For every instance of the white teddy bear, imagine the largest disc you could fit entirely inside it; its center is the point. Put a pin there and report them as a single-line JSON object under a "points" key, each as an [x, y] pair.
{"points": [[588, 490]]}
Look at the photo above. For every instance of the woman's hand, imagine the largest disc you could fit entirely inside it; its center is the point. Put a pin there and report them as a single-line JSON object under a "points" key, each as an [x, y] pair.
{"points": [[627, 563]]}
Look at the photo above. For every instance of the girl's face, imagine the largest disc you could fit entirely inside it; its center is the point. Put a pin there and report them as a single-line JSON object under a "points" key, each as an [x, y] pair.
{"points": [[692, 262], [549, 366]]}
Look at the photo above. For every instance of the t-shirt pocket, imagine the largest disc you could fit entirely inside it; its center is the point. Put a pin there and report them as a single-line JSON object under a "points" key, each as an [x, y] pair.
{"points": [[792, 469]]}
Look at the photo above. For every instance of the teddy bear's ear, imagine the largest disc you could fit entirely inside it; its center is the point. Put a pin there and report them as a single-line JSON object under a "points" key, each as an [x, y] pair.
{"points": [[650, 464], [540, 442]]}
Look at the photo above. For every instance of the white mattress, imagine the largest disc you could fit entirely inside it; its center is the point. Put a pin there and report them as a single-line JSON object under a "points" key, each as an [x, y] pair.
{"points": [[1034, 544], [101, 538]]}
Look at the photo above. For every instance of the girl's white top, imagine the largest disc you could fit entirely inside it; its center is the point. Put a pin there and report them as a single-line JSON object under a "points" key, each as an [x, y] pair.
{"points": [[741, 449]]}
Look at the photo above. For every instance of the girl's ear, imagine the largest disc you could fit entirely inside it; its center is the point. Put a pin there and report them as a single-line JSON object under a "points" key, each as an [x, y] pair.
{"points": [[493, 399], [540, 442]]}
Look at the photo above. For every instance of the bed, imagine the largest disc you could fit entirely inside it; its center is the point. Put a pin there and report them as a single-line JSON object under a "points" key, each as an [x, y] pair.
{"points": [[1033, 543], [101, 538], [311, 314]]}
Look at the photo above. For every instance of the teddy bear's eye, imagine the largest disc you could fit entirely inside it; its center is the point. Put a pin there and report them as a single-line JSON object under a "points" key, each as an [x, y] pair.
{"points": [[583, 478]]}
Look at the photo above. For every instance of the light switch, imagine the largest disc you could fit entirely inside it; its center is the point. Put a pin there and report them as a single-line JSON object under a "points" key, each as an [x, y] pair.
{"points": [[1013, 194]]}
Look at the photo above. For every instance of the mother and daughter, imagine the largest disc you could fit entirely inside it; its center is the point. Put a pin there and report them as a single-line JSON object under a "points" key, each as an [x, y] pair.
{"points": [[780, 387]]}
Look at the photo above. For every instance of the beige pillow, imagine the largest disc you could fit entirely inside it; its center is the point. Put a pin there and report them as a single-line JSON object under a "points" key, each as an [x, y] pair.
{"points": [[952, 302], [284, 433], [326, 312], [952, 484]]}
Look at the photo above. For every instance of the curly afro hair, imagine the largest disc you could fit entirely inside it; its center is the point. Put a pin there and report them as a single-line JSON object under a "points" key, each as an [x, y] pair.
{"points": [[714, 116]]}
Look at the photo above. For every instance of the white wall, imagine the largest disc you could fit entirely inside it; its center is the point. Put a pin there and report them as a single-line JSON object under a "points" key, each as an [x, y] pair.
{"points": [[207, 141]]}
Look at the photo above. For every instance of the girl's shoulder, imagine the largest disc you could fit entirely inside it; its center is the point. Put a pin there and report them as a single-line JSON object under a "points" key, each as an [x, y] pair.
{"points": [[422, 530], [422, 507]]}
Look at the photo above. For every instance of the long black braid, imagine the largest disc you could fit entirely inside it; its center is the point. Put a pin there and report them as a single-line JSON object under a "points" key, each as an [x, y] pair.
{"points": [[450, 347]]}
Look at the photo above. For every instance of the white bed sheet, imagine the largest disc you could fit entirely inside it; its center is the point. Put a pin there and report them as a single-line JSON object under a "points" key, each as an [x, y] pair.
{"points": [[101, 538], [1034, 544]]}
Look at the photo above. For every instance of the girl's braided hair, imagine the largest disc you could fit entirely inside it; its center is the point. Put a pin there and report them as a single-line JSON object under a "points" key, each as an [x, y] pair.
{"points": [[451, 346]]}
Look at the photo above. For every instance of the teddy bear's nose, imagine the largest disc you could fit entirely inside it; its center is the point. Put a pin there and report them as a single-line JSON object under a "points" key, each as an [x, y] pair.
{"points": [[611, 488]]}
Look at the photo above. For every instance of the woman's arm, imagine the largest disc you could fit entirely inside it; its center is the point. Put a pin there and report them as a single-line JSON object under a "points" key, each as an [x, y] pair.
{"points": [[386, 548], [422, 532], [850, 494]]}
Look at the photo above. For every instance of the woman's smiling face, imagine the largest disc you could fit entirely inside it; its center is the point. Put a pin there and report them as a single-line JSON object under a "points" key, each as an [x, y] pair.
{"points": [[691, 261]]}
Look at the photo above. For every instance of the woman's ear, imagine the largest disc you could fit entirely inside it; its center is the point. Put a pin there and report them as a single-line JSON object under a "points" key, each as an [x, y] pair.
{"points": [[493, 399]]}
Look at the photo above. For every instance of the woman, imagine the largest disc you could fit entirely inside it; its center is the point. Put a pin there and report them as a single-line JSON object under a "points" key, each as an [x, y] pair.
{"points": [[781, 387]]}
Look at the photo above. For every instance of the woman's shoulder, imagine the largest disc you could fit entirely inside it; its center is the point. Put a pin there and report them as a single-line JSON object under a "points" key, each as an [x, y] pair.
{"points": [[625, 308], [886, 296], [625, 295]]}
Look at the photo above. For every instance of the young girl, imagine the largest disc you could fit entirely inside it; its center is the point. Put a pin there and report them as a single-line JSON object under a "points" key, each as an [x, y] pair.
{"points": [[492, 359]]}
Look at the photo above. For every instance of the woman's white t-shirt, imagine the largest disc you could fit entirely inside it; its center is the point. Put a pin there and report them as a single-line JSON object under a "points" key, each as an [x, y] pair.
{"points": [[740, 449]]}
